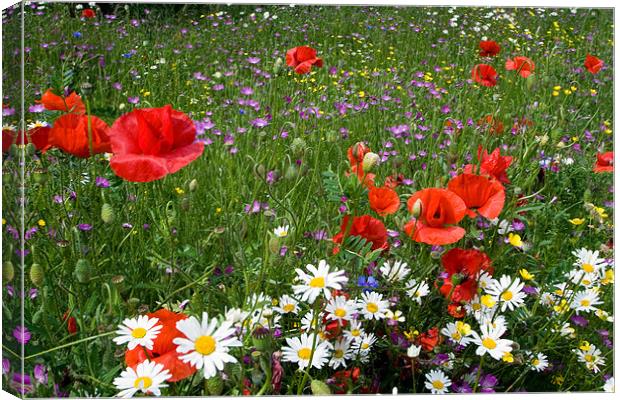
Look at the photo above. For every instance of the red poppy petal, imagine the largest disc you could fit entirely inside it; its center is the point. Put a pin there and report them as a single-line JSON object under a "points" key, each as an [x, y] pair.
{"points": [[139, 168], [183, 156], [438, 236], [291, 60], [305, 53], [303, 68], [494, 205]]}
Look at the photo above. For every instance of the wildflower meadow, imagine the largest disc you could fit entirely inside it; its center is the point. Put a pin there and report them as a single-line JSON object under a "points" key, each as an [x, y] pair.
{"points": [[212, 199]]}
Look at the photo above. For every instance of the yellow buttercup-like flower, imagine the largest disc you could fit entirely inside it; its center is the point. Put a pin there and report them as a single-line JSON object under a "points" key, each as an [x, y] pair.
{"points": [[515, 240], [525, 274], [577, 221]]}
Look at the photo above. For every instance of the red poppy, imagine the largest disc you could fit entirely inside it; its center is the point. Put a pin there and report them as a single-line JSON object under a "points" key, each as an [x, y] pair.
{"points": [[593, 64], [365, 226], [72, 103], [151, 143], [491, 124], [484, 74], [523, 65], [604, 162], [393, 182], [429, 339], [440, 208], [480, 194], [302, 58], [488, 48], [164, 350], [343, 378], [71, 323], [456, 310], [37, 136], [88, 13], [384, 201], [463, 267], [494, 164], [70, 134]]}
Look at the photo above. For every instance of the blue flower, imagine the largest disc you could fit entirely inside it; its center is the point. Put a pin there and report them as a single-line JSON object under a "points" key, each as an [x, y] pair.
{"points": [[368, 283], [77, 35]]}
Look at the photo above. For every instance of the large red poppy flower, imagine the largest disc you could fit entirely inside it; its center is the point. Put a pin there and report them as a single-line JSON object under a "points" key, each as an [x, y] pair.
{"points": [[480, 194], [384, 201], [439, 210], [302, 58], [604, 162], [164, 350], [429, 339], [88, 13], [37, 136], [70, 134], [494, 165], [462, 267], [151, 143], [72, 103], [523, 65], [365, 226], [484, 74], [488, 48], [593, 64]]}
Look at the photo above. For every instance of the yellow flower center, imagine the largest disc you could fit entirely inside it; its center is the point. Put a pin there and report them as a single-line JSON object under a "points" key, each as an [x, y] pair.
{"points": [[288, 307], [507, 296], [143, 382], [338, 353], [456, 336], [585, 303], [205, 345], [138, 333], [536, 362], [489, 343], [476, 306], [587, 267], [438, 385], [365, 346], [318, 282], [340, 312], [589, 357], [372, 307], [355, 332], [304, 354]]}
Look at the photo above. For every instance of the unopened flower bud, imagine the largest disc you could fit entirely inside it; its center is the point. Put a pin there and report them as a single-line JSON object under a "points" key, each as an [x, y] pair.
{"points": [[107, 213], [193, 185], [36, 274], [370, 160], [416, 210], [8, 272]]}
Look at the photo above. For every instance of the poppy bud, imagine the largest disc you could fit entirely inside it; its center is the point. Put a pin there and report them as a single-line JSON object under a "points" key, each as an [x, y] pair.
{"points": [[214, 385], [274, 245], [370, 160], [416, 210], [72, 325], [133, 303], [319, 388], [277, 65], [331, 136], [193, 185], [36, 274], [259, 170], [530, 81], [86, 88], [291, 172], [185, 203], [82, 270], [359, 150], [36, 318], [8, 272], [298, 146], [14, 151], [171, 214], [107, 213]]}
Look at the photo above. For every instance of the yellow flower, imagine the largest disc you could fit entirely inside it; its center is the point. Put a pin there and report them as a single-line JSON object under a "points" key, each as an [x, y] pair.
{"points": [[218, 210], [515, 240], [525, 274], [609, 277], [555, 93], [567, 92], [361, 93], [592, 91], [601, 212], [557, 380], [179, 190], [584, 345], [463, 328], [488, 300], [557, 88], [3, 221], [507, 357], [41, 223], [576, 221]]}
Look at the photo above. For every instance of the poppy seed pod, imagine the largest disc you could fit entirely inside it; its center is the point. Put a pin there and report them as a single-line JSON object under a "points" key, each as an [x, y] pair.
{"points": [[214, 385], [107, 213], [416, 210], [82, 270], [370, 160], [36, 274], [8, 272]]}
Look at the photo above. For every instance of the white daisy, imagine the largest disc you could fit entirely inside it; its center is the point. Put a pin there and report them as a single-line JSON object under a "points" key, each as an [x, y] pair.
{"points": [[139, 331], [489, 340], [458, 332], [206, 345], [417, 290], [609, 386], [318, 281], [588, 261], [148, 377], [484, 280], [591, 356], [37, 124], [581, 278], [567, 330], [538, 362], [342, 352], [372, 305], [508, 292], [340, 309], [394, 271], [299, 350], [281, 231], [585, 301], [364, 343], [437, 382], [355, 331], [287, 305], [310, 322]]}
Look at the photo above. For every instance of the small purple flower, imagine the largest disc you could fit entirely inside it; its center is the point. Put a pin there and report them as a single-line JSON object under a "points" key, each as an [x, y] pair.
{"points": [[22, 383], [10, 291], [22, 334], [253, 60], [117, 86], [36, 108], [33, 293], [6, 112], [283, 251], [229, 269], [277, 333], [85, 227], [133, 100], [6, 366], [40, 374], [127, 225], [259, 122], [247, 91], [579, 320], [102, 182]]}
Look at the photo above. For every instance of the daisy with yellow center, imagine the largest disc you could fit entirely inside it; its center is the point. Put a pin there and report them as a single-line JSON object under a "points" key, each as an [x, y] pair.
{"points": [[458, 332], [206, 345], [306, 350], [342, 352], [287, 305], [340, 309], [489, 340], [437, 382], [318, 280], [585, 301], [372, 305], [355, 331], [148, 377], [281, 231], [140, 331], [507, 292]]}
